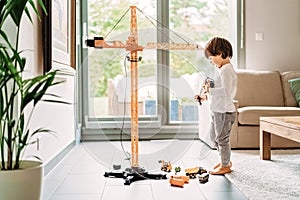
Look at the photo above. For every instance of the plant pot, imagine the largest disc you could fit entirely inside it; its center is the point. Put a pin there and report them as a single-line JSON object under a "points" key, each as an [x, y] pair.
{"points": [[25, 183]]}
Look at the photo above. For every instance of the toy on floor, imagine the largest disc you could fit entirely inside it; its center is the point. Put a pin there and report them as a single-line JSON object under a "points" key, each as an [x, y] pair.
{"points": [[179, 181], [177, 169], [134, 174], [166, 166], [116, 167], [203, 178], [192, 172]]}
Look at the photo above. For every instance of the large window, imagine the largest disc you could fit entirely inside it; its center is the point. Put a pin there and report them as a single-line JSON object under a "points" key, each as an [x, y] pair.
{"points": [[167, 79], [109, 69], [195, 21]]}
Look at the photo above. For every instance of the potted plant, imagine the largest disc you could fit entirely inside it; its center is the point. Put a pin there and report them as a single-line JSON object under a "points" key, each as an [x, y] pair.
{"points": [[18, 99]]}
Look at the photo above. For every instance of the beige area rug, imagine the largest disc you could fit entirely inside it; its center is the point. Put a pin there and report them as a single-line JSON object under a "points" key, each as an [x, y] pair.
{"points": [[261, 179]]}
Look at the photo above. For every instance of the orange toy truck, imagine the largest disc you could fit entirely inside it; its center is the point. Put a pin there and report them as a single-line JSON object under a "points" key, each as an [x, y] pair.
{"points": [[166, 166], [192, 172], [179, 180]]}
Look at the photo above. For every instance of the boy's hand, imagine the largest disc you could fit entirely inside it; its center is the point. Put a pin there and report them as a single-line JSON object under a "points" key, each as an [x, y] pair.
{"points": [[206, 86], [203, 97], [200, 98]]}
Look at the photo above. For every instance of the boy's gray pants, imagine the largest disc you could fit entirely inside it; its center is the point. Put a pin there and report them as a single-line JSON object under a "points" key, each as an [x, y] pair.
{"points": [[219, 130]]}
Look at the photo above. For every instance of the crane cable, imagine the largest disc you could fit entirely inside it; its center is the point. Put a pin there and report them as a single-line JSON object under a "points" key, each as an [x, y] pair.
{"points": [[164, 26], [117, 23], [124, 113], [150, 18]]}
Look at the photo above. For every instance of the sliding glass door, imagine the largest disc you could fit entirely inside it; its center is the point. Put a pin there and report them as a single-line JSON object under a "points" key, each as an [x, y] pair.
{"points": [[167, 79]]}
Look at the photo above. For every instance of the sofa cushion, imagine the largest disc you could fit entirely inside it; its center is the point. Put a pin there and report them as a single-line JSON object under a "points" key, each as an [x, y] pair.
{"points": [[259, 88], [250, 115], [295, 87], [289, 98]]}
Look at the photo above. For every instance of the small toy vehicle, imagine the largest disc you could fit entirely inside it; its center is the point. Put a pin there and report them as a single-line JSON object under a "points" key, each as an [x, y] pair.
{"points": [[166, 166], [176, 182], [179, 180], [177, 169], [203, 178], [192, 172], [186, 179]]}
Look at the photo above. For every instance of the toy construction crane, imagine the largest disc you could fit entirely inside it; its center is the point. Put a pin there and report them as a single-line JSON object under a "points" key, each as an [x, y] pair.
{"points": [[133, 47]]}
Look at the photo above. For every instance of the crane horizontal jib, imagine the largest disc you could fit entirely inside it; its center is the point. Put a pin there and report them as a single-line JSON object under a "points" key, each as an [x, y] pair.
{"points": [[100, 43], [173, 46]]}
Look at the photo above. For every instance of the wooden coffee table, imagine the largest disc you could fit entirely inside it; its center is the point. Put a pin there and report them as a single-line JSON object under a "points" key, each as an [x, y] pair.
{"points": [[287, 127]]}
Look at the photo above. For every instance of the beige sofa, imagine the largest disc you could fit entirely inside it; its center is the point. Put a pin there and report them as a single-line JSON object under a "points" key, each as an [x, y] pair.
{"points": [[259, 94]]}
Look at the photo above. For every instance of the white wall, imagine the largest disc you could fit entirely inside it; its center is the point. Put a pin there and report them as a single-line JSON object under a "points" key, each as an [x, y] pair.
{"points": [[279, 21], [57, 117]]}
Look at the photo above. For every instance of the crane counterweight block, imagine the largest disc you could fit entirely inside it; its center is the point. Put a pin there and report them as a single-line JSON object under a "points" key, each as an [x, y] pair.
{"points": [[98, 42]]}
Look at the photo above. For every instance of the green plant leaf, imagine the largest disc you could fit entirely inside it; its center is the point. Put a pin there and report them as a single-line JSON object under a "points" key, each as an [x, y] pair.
{"points": [[28, 14], [16, 8], [41, 3], [41, 130], [36, 157], [2, 9], [4, 36], [56, 101], [35, 88], [23, 138], [4, 12], [32, 3]]}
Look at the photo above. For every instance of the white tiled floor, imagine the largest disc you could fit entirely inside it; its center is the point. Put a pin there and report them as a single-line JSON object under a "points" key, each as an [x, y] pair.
{"points": [[80, 175]]}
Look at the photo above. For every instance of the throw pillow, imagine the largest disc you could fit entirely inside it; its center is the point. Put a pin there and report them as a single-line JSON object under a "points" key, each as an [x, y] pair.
{"points": [[295, 87]]}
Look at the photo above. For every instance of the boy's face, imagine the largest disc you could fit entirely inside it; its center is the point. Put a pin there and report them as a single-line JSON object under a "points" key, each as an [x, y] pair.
{"points": [[216, 60]]}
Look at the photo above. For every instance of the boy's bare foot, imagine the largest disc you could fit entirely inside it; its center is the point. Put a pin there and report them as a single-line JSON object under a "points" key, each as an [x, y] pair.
{"points": [[220, 170], [219, 164]]}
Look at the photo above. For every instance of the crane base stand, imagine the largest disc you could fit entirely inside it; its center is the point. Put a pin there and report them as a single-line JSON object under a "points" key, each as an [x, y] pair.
{"points": [[134, 174]]}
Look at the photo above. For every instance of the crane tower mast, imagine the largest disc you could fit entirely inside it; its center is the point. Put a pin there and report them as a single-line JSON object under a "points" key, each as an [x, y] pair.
{"points": [[132, 46]]}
